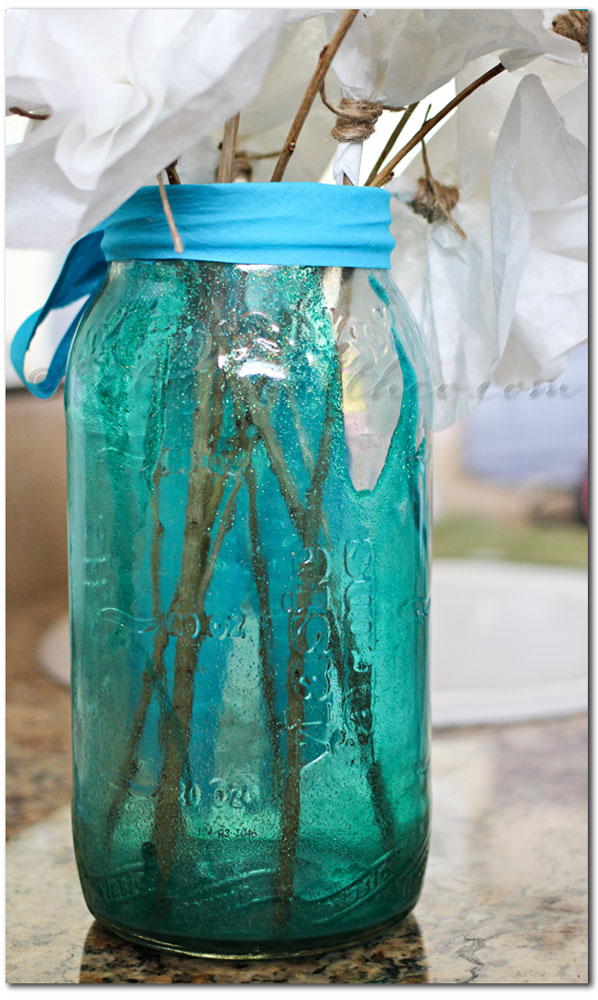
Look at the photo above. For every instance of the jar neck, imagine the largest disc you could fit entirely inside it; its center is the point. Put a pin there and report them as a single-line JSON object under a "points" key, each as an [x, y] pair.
{"points": [[235, 287], [319, 225], [290, 225]]}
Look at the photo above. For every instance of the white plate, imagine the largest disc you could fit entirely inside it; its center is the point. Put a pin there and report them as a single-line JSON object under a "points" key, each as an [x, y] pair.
{"points": [[508, 641]]}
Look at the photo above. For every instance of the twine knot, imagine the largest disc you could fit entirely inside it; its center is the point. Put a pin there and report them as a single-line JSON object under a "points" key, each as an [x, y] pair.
{"points": [[243, 160], [574, 25], [355, 117], [435, 201], [355, 120], [242, 166]]}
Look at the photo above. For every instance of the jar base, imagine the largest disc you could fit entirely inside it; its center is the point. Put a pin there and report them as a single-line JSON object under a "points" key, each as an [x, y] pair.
{"points": [[259, 950]]}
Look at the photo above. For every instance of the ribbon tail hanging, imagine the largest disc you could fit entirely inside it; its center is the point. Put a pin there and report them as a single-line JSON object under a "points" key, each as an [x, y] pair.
{"points": [[82, 274]]}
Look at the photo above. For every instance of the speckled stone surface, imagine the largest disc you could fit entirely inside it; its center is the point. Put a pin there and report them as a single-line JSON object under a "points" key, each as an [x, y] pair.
{"points": [[504, 899], [38, 729]]}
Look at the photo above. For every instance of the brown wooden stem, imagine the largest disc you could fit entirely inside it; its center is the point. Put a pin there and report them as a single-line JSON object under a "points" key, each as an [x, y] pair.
{"points": [[176, 239], [387, 172], [391, 141], [313, 89], [439, 193], [154, 673], [193, 564], [225, 167], [266, 631], [260, 416], [168, 824], [36, 116], [172, 173], [291, 804]]}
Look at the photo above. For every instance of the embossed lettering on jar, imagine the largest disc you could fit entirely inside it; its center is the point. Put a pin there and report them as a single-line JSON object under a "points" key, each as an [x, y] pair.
{"points": [[248, 522]]}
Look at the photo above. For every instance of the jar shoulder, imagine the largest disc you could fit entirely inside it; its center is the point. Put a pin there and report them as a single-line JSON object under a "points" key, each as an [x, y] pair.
{"points": [[148, 312]]}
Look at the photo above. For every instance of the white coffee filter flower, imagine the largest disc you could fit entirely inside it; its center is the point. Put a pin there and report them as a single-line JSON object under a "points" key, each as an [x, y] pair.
{"points": [[127, 90], [509, 301], [396, 57]]}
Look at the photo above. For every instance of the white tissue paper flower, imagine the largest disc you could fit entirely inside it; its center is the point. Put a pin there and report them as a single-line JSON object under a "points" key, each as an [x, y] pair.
{"points": [[126, 90], [508, 302], [396, 57]]}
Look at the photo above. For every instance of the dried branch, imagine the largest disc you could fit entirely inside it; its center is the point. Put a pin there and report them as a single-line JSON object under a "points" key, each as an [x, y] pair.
{"points": [[172, 173], [225, 167], [391, 141], [325, 59], [435, 201], [262, 156], [176, 239], [36, 116], [387, 172]]}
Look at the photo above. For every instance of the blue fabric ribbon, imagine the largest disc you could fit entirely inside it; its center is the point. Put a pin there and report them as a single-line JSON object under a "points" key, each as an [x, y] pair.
{"points": [[292, 223], [82, 274]]}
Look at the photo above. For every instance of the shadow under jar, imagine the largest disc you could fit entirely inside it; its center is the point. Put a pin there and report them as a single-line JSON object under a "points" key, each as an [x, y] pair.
{"points": [[248, 529]]}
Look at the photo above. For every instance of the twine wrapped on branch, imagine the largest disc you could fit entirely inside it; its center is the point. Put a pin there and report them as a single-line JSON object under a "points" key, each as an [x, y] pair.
{"points": [[574, 25], [356, 118], [435, 201]]}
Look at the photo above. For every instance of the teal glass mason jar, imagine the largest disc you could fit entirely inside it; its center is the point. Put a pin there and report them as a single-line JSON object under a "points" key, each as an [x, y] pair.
{"points": [[248, 530]]}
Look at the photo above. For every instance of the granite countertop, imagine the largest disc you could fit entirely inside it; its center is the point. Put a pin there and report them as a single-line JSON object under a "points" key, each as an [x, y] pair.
{"points": [[504, 899]]}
